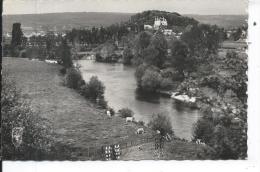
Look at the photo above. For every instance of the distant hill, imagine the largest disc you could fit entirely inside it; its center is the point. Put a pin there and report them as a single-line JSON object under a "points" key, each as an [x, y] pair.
{"points": [[173, 19], [69, 20], [226, 21], [65, 21]]}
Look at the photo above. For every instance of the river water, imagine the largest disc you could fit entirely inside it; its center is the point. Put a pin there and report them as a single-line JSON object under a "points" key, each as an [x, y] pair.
{"points": [[120, 92]]}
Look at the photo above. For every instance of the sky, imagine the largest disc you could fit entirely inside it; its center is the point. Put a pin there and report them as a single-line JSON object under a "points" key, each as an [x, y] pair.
{"points": [[203, 7]]}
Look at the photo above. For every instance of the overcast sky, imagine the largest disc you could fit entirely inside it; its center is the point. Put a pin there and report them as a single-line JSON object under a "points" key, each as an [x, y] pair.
{"points": [[130, 6]]}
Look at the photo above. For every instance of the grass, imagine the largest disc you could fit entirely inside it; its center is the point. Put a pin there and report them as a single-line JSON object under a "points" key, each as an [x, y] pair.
{"points": [[174, 150], [75, 121]]}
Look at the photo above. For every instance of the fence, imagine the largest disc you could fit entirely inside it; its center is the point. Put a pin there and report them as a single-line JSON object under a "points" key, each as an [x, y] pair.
{"points": [[96, 153]]}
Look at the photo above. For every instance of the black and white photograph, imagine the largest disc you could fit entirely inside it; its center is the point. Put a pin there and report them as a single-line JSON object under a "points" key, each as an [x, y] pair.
{"points": [[124, 80]]}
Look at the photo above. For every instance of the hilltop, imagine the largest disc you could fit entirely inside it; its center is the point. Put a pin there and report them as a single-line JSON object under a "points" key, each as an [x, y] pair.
{"points": [[173, 18]]}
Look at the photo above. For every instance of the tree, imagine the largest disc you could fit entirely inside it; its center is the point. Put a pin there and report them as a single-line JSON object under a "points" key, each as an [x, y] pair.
{"points": [[65, 54], [140, 70], [202, 40], [203, 130], [162, 123], [127, 56], [17, 35], [126, 112], [159, 43], [237, 34], [181, 58], [144, 40], [95, 88], [151, 80], [73, 78]]}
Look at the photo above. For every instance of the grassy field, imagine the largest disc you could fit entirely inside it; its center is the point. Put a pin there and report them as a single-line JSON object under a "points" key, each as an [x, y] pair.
{"points": [[75, 121]]}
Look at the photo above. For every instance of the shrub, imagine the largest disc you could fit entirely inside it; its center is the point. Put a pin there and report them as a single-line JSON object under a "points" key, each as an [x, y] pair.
{"points": [[162, 123], [99, 57], [141, 123], [95, 88], [36, 141], [73, 78], [63, 71], [125, 112], [112, 111], [203, 130]]}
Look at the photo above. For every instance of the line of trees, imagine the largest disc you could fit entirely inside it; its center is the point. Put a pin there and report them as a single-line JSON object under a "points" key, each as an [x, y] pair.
{"points": [[98, 35]]}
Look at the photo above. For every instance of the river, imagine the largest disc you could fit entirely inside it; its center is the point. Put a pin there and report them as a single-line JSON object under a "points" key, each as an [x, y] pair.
{"points": [[120, 92]]}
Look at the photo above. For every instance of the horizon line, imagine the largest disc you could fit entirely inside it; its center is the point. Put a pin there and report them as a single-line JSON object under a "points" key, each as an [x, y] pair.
{"points": [[243, 14]]}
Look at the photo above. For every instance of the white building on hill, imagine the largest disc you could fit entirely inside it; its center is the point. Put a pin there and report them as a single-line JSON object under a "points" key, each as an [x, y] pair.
{"points": [[160, 22]]}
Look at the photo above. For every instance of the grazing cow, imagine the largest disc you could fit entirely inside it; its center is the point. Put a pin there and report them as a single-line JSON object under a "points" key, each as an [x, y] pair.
{"points": [[202, 143], [140, 131], [51, 61], [158, 132], [129, 119], [108, 113], [198, 141]]}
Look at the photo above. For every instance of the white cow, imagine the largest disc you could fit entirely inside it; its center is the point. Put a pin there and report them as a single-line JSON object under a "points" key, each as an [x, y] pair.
{"points": [[140, 131], [129, 119], [51, 61], [108, 113], [198, 141]]}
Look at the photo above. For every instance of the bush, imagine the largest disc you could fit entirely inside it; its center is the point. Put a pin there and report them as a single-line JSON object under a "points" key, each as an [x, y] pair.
{"points": [[203, 130], [162, 123], [36, 142], [63, 71], [95, 88], [73, 78], [141, 123], [125, 112], [112, 111]]}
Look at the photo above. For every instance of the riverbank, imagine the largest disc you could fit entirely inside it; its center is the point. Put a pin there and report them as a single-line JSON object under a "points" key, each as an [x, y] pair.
{"points": [[76, 123]]}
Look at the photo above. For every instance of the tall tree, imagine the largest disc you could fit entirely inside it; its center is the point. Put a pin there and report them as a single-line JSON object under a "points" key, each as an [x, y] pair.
{"points": [[202, 40], [180, 57], [17, 35], [159, 43], [65, 54]]}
